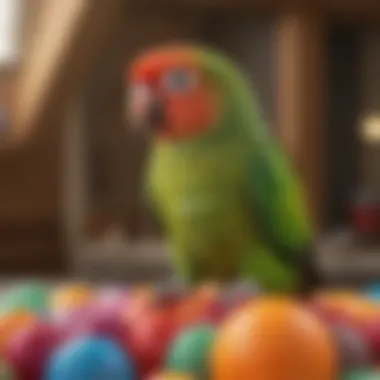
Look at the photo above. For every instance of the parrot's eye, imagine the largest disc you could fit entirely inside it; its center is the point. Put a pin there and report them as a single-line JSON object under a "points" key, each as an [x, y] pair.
{"points": [[179, 80]]}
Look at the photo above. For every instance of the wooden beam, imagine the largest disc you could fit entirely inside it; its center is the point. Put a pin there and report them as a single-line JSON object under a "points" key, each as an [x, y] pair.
{"points": [[300, 100], [343, 7], [68, 35]]}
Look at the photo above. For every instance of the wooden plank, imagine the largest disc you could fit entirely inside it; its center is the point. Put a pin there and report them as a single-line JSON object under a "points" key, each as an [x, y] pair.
{"points": [[335, 6], [69, 33], [300, 101]]}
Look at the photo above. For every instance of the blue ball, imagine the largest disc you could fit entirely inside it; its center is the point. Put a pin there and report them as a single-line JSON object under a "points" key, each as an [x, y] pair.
{"points": [[90, 358], [373, 292]]}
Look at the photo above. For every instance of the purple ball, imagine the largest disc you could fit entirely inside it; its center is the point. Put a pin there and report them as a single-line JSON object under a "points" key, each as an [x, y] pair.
{"points": [[29, 351], [101, 322], [353, 350], [112, 299]]}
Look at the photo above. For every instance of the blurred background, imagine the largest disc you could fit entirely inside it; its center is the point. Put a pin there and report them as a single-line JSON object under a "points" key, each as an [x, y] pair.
{"points": [[70, 170]]}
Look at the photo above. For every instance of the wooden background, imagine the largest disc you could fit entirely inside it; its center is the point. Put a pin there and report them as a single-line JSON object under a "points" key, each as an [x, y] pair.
{"points": [[31, 236]]}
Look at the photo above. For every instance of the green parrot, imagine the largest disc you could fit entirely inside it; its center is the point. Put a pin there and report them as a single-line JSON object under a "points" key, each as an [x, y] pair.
{"points": [[230, 203]]}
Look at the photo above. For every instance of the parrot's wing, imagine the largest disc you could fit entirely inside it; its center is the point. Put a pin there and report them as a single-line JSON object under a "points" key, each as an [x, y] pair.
{"points": [[278, 204]]}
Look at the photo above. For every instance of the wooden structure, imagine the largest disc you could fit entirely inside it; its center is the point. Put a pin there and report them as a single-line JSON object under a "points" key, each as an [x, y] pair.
{"points": [[74, 36]]}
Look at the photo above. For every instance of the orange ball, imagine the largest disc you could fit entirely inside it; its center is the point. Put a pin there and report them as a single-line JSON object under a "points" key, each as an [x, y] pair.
{"points": [[68, 297], [13, 322], [192, 308], [190, 311], [274, 338]]}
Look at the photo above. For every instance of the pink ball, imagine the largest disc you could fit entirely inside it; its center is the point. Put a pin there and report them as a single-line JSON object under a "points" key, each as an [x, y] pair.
{"points": [[327, 314], [371, 333], [101, 322], [30, 349], [353, 349], [113, 300], [69, 322]]}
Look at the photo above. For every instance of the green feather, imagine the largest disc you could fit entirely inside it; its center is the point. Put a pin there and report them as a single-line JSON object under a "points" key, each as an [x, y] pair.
{"points": [[229, 200]]}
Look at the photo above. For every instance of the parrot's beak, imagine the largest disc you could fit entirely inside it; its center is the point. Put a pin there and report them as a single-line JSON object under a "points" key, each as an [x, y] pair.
{"points": [[145, 110]]}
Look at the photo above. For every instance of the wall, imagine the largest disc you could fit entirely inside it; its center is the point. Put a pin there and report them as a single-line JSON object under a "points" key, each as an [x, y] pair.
{"points": [[29, 207], [250, 41], [370, 91], [343, 108]]}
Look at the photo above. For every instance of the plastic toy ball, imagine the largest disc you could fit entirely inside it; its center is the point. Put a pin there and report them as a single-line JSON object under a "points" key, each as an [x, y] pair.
{"points": [[6, 371], [371, 332], [353, 350], [170, 376], [30, 349], [351, 306], [13, 322], [112, 298], [190, 352], [90, 358], [362, 375], [31, 296], [150, 338], [271, 339], [373, 292], [95, 321], [69, 297]]}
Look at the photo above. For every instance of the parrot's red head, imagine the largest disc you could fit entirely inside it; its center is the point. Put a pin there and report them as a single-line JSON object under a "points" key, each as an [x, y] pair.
{"points": [[171, 93]]}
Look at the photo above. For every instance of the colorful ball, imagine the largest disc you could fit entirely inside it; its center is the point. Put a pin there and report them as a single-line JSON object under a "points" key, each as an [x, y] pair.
{"points": [[170, 376], [90, 358], [190, 352], [69, 297], [13, 322], [96, 321], [373, 292], [6, 370], [362, 375], [371, 332], [351, 306], [215, 312], [151, 335], [139, 302], [112, 298], [353, 350], [31, 296], [274, 338], [30, 349]]}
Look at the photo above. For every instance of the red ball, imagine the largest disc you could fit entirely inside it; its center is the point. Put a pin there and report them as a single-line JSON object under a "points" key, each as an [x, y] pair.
{"points": [[216, 312], [101, 322], [151, 336], [327, 313], [69, 322], [371, 333], [30, 349]]}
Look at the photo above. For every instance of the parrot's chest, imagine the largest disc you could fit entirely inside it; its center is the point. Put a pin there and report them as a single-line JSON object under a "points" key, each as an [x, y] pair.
{"points": [[198, 189]]}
